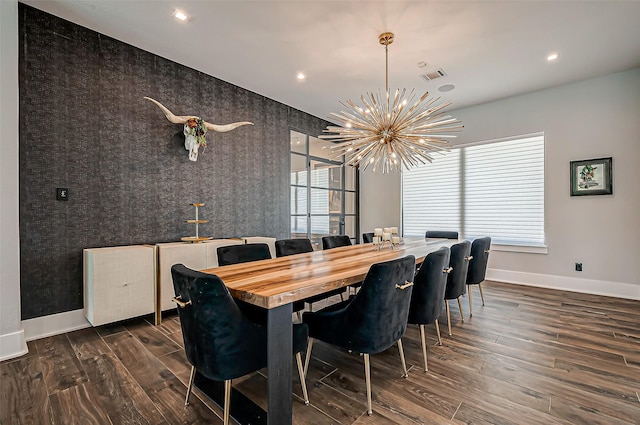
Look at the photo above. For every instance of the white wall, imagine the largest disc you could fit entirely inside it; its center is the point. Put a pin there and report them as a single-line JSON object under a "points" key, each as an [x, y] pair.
{"points": [[12, 341], [380, 200], [589, 119]]}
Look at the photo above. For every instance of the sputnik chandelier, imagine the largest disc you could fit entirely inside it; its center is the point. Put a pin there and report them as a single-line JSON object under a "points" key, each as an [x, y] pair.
{"points": [[391, 134]]}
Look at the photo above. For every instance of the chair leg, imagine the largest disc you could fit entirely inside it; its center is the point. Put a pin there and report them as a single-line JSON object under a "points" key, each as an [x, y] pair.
{"points": [[481, 293], [367, 377], [227, 400], [470, 301], [438, 332], [308, 356], [448, 315], [303, 381], [190, 385], [460, 307], [404, 363], [424, 348]]}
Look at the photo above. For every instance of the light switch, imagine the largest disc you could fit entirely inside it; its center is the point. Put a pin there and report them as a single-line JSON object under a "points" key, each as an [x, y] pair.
{"points": [[62, 194]]}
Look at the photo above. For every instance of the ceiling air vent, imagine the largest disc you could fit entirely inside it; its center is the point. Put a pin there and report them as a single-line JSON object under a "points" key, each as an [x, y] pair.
{"points": [[432, 75]]}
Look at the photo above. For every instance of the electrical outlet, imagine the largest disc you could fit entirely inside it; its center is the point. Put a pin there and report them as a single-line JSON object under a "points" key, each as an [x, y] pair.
{"points": [[578, 267]]}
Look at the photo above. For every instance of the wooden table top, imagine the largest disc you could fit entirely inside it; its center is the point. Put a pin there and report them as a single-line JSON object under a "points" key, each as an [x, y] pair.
{"points": [[278, 281]]}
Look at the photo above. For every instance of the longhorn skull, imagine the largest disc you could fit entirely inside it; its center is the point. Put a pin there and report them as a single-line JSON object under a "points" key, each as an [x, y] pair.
{"points": [[195, 129]]}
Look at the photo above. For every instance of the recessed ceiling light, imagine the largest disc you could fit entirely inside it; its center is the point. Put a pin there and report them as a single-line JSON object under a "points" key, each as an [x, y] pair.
{"points": [[446, 87], [180, 15], [300, 76], [552, 57]]}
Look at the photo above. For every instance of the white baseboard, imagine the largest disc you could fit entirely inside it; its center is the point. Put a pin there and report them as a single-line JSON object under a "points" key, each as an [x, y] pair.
{"points": [[54, 324], [12, 345], [565, 283]]}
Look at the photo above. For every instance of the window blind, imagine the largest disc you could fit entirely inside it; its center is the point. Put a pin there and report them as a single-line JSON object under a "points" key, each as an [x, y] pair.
{"points": [[499, 192], [431, 196]]}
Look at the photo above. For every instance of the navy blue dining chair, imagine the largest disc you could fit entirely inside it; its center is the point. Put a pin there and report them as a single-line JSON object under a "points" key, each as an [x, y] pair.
{"points": [[220, 341], [480, 249], [441, 234], [336, 241], [285, 247], [457, 279], [234, 254], [371, 321], [428, 293]]}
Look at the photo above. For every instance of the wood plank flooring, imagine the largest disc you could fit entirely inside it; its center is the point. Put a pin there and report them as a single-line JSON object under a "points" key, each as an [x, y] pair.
{"points": [[529, 356]]}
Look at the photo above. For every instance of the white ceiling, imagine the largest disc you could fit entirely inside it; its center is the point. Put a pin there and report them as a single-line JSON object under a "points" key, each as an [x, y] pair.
{"points": [[489, 49]]}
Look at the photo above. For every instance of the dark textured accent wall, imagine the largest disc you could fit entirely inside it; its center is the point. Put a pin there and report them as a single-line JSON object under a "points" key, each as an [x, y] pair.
{"points": [[85, 126]]}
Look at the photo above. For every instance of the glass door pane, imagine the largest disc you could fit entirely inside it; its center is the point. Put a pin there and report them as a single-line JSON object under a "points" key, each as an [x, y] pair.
{"points": [[299, 226], [299, 169], [298, 142], [322, 149], [350, 202], [299, 200], [350, 226], [318, 177], [324, 201]]}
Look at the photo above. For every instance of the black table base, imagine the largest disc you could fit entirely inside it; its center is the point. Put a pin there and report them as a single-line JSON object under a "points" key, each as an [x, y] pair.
{"points": [[242, 409]]}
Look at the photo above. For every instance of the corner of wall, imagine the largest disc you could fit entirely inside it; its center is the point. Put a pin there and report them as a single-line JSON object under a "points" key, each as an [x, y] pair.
{"points": [[12, 340]]}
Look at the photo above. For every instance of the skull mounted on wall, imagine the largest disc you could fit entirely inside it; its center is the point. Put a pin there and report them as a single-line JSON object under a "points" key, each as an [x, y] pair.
{"points": [[195, 129]]}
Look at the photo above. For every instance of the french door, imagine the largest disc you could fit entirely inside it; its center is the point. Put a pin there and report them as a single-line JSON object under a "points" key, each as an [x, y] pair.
{"points": [[324, 193]]}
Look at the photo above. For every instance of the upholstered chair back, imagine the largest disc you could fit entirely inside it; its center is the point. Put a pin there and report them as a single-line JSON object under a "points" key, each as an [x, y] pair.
{"points": [[376, 317], [218, 339], [478, 264], [329, 242], [457, 279], [367, 237], [428, 290], [286, 247], [235, 254], [441, 234]]}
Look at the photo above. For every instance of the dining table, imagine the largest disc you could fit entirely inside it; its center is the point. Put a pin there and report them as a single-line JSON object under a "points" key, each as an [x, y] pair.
{"points": [[275, 284]]}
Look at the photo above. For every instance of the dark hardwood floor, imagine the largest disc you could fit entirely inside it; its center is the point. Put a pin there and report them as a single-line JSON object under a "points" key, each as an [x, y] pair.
{"points": [[530, 356]]}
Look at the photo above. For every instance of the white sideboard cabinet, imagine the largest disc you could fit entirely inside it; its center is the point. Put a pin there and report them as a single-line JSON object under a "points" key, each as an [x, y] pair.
{"points": [[196, 256], [119, 283], [129, 281]]}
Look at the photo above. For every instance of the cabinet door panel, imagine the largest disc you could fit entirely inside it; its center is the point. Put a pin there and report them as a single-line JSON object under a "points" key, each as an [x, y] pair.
{"points": [[118, 283]]}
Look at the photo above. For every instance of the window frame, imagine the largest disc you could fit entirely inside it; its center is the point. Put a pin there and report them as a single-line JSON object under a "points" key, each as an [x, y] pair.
{"points": [[526, 247], [342, 216]]}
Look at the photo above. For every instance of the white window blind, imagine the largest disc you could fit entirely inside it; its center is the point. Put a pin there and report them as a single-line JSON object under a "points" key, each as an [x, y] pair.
{"points": [[431, 196], [499, 192]]}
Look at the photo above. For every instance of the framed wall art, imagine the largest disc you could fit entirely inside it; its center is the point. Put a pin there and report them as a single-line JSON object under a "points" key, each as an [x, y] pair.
{"points": [[591, 177]]}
